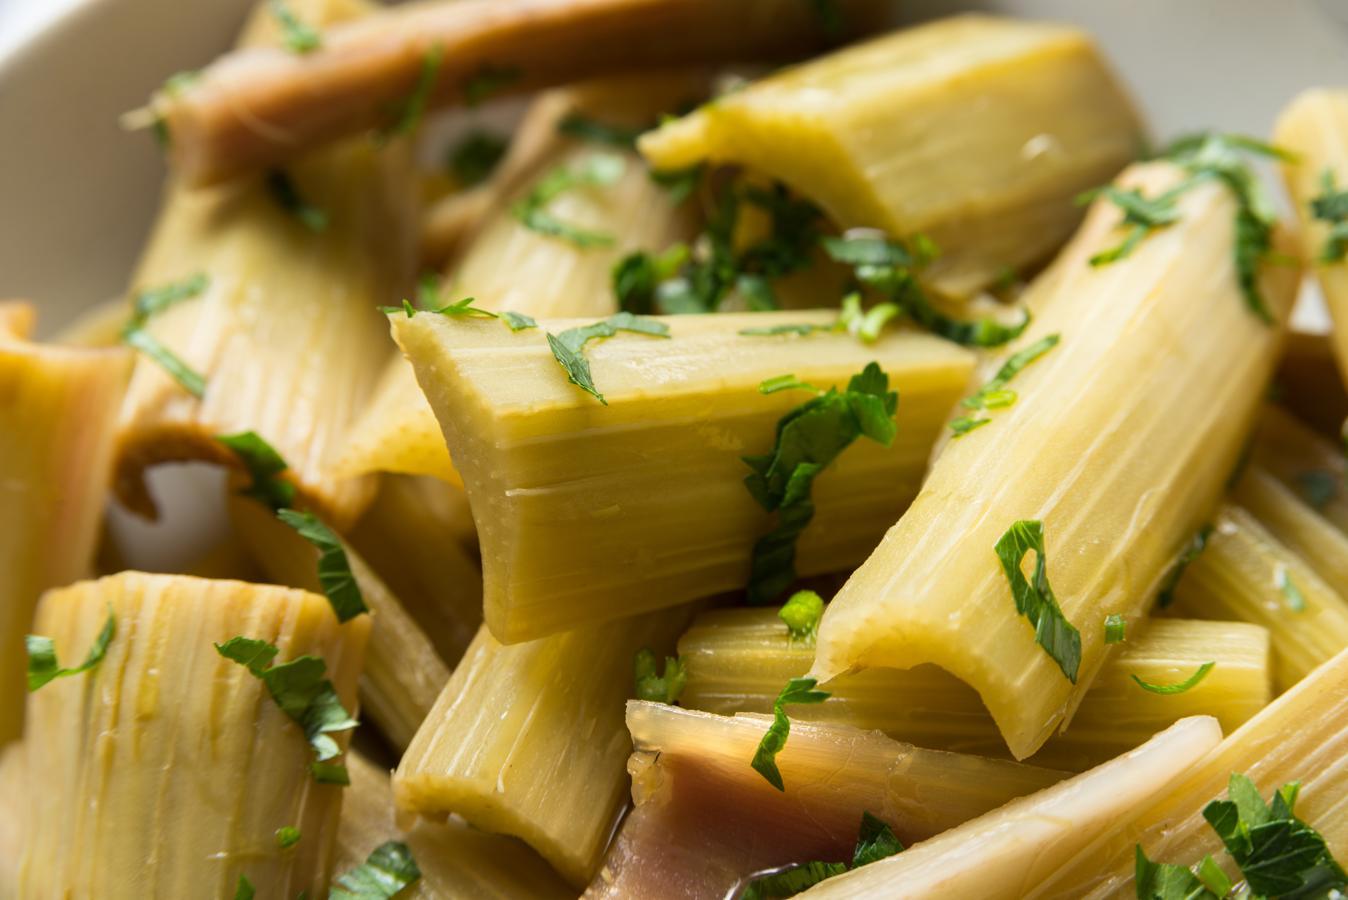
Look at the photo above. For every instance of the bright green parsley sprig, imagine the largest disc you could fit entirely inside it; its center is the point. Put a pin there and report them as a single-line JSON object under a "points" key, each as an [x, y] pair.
{"points": [[263, 464], [797, 690], [1279, 855], [42, 665], [1116, 628], [656, 687], [808, 439], [1331, 206], [1179, 687], [802, 613], [387, 871], [995, 394], [301, 691], [568, 346], [875, 841], [596, 170], [135, 333], [1296, 601], [1034, 598]]}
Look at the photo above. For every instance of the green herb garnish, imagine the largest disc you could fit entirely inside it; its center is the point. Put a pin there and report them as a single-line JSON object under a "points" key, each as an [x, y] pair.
{"points": [[1035, 600], [802, 613], [287, 836], [408, 113], [585, 128], [875, 842], [658, 688], [596, 170], [1296, 601], [797, 690], [1197, 544], [568, 347], [488, 80], [1318, 486], [637, 276], [263, 464], [458, 309], [299, 689], [334, 569], [1141, 216], [244, 890], [472, 160], [518, 321], [1115, 628], [994, 394], [42, 665], [287, 195], [298, 36], [385, 872], [808, 439], [1331, 206], [1178, 687], [151, 302]]}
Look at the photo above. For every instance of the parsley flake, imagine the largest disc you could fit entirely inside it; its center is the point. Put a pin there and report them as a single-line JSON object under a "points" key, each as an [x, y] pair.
{"points": [[1197, 544], [1035, 600], [1296, 601], [42, 665], [1115, 628], [287, 836], [150, 302], [1179, 687], [244, 890], [797, 690], [458, 309], [263, 464], [385, 872], [298, 36], [597, 170], [568, 347], [1331, 206], [1141, 216], [334, 569], [994, 394], [637, 276], [518, 321], [658, 688], [802, 613]]}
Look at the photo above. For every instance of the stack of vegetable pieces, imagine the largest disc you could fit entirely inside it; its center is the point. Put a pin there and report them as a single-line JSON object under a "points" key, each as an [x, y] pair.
{"points": [[713, 438]]}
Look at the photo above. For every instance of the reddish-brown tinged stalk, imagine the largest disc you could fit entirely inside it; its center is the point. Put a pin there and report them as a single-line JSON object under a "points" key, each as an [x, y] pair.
{"points": [[257, 107]]}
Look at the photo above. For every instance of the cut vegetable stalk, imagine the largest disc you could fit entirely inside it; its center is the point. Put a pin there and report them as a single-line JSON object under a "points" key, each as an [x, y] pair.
{"points": [[286, 318], [705, 821], [255, 108], [1114, 514], [403, 674], [1248, 575], [456, 860], [999, 855], [879, 135], [528, 739], [1295, 523], [737, 661], [589, 513], [1304, 462], [1298, 737], [182, 743], [58, 416]]}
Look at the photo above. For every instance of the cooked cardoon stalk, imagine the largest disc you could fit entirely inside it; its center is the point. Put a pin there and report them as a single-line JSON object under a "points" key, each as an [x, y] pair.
{"points": [[566, 492], [13, 813], [1298, 737], [1000, 855], [1314, 126], [1115, 513], [879, 135], [528, 740], [456, 860], [508, 266], [58, 417], [705, 820], [255, 108], [286, 318], [417, 537], [1304, 461], [1295, 523], [1247, 574], [403, 674], [738, 659], [167, 769]]}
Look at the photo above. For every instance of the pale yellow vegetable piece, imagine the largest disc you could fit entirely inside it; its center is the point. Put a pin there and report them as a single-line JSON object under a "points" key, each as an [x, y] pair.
{"points": [[588, 513], [167, 769], [1314, 126], [1295, 522], [285, 333], [1092, 449], [528, 739], [973, 130], [1305, 462], [457, 861], [1298, 737], [403, 673], [1247, 574], [255, 108], [999, 855], [738, 659], [705, 820], [58, 420], [13, 812]]}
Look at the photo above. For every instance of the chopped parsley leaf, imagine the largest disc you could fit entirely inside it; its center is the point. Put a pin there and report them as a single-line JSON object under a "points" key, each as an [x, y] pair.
{"points": [[150, 302], [1141, 216], [595, 171], [637, 276], [1179, 687], [408, 113], [678, 183], [472, 160], [1197, 544], [385, 873], [797, 690], [1115, 628], [287, 836], [1331, 206], [458, 309], [802, 613], [334, 569], [263, 464], [1296, 601], [298, 36], [658, 688], [1035, 600], [994, 394], [42, 665], [518, 321], [244, 890], [568, 347]]}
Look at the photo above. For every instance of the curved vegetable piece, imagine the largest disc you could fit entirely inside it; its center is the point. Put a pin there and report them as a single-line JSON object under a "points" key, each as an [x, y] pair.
{"points": [[879, 135], [193, 763], [738, 659], [457, 861], [1246, 574], [705, 821], [255, 108], [999, 855], [403, 673], [1304, 462], [567, 492], [282, 327], [528, 739], [1298, 737], [1296, 523], [58, 418], [1115, 513]]}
